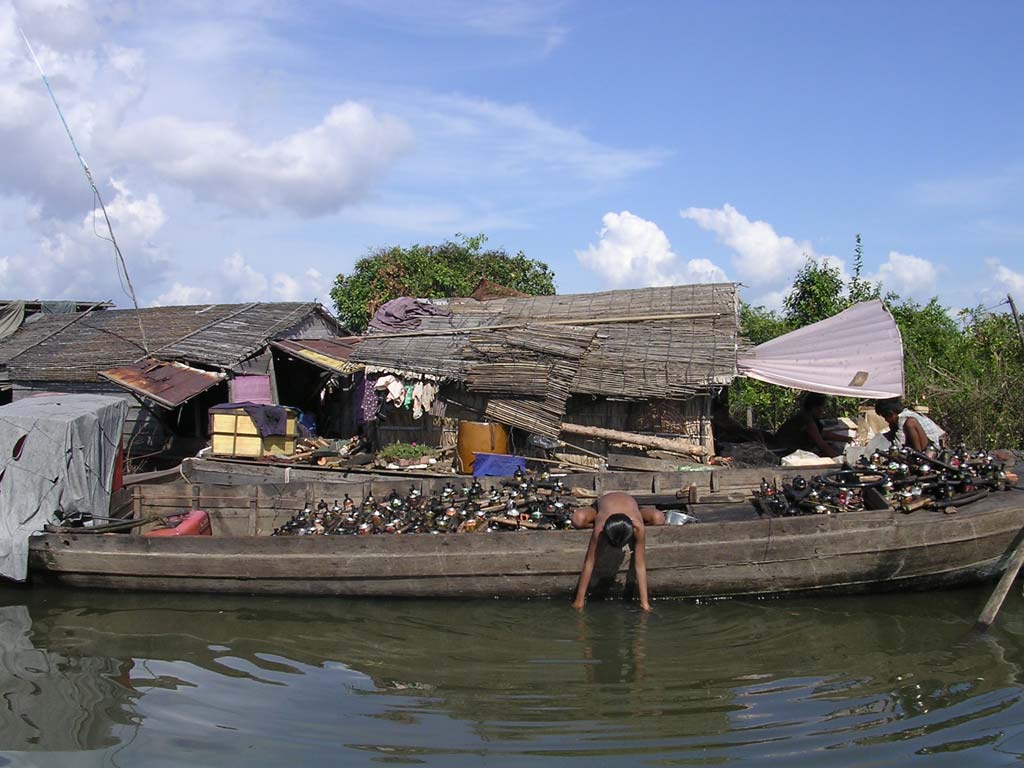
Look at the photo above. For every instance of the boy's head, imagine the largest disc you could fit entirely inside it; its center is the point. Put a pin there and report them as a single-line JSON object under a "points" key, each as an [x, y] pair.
{"points": [[889, 410], [618, 529]]}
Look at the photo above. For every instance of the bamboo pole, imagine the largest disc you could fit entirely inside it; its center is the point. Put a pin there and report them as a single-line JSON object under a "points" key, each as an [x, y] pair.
{"points": [[648, 441], [568, 321], [995, 602]]}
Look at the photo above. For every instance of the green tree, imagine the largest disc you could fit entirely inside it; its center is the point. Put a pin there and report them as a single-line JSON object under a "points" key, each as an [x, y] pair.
{"points": [[817, 293], [449, 269], [858, 288]]}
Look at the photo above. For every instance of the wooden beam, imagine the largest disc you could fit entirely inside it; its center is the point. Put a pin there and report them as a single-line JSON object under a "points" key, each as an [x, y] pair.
{"points": [[649, 441], [567, 321]]}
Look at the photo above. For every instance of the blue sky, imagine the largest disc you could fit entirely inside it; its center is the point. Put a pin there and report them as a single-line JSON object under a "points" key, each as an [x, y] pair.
{"points": [[253, 150]]}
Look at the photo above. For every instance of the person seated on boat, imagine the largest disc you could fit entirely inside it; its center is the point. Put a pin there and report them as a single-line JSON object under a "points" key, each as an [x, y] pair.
{"points": [[803, 431], [617, 521], [727, 430], [908, 427]]}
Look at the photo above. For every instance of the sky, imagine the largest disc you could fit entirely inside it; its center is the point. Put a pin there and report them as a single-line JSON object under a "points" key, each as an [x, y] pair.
{"points": [[253, 150]]}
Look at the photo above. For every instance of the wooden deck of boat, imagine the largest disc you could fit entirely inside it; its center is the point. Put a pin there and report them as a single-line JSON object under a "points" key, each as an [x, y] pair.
{"points": [[732, 552]]}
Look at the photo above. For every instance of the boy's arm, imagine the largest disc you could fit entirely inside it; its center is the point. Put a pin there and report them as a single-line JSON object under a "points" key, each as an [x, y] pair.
{"points": [[587, 571], [916, 438], [640, 563], [816, 437], [652, 516]]}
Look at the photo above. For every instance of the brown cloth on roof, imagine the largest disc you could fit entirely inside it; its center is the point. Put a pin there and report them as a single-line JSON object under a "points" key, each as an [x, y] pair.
{"points": [[403, 314]]}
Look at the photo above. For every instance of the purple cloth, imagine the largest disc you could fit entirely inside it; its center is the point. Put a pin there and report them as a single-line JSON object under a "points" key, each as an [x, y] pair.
{"points": [[404, 314], [251, 389], [366, 400]]}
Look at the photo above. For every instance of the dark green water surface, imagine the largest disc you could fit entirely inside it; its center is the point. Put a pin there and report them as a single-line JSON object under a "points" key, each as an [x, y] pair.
{"points": [[140, 679]]}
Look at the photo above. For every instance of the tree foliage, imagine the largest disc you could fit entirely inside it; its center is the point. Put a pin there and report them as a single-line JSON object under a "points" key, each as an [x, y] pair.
{"points": [[452, 268], [817, 293], [964, 367]]}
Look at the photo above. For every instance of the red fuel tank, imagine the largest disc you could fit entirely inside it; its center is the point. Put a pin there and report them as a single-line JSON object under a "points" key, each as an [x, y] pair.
{"points": [[195, 523]]}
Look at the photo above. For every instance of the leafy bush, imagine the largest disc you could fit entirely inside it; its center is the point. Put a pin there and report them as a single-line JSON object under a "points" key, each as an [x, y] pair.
{"points": [[397, 451], [453, 268]]}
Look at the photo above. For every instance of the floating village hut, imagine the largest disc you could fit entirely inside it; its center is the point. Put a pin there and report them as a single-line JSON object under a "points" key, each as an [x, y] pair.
{"points": [[646, 360], [15, 314], [192, 357]]}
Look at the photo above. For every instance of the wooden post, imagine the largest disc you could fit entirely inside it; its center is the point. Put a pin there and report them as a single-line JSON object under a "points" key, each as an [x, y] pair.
{"points": [[1016, 319], [196, 496], [272, 374], [254, 507], [995, 602]]}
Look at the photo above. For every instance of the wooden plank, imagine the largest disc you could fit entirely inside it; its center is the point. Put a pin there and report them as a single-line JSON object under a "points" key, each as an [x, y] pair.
{"points": [[640, 463]]}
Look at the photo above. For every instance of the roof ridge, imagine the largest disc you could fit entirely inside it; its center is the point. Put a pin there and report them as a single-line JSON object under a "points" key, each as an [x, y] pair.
{"points": [[245, 307]]}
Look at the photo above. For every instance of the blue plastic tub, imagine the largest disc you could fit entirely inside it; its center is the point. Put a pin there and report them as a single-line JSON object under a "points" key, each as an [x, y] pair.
{"points": [[497, 465]]}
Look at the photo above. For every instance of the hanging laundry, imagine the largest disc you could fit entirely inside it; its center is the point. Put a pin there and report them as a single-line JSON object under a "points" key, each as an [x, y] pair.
{"points": [[427, 394], [417, 400], [394, 388]]}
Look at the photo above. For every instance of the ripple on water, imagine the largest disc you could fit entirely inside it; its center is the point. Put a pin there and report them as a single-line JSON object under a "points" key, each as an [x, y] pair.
{"points": [[162, 680]]}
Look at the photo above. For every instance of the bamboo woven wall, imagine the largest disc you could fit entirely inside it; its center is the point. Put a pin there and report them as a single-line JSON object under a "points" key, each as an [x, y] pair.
{"points": [[647, 358]]}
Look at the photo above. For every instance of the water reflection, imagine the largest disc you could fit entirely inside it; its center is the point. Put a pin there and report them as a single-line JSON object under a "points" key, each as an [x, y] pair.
{"points": [[169, 680], [57, 701]]}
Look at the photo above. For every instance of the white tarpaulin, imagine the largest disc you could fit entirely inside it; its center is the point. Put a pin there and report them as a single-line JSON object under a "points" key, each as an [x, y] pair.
{"points": [[57, 452], [857, 353]]}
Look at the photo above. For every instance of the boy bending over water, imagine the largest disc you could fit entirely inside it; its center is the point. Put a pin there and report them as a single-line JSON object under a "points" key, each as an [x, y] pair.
{"points": [[619, 520]]}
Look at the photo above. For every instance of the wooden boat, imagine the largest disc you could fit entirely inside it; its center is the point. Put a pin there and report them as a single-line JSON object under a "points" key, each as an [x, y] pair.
{"points": [[730, 552]]}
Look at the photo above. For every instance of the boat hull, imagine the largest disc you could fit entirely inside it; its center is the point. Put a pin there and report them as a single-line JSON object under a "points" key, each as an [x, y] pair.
{"points": [[854, 552]]}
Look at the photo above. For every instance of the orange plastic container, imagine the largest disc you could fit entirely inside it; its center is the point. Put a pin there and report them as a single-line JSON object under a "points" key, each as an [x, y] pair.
{"points": [[479, 437], [195, 523]]}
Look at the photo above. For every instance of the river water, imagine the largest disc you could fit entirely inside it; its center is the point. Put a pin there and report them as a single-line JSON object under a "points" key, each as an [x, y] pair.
{"points": [[160, 680]]}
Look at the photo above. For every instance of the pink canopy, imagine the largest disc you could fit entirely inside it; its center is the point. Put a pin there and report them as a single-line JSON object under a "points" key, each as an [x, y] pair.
{"points": [[857, 353]]}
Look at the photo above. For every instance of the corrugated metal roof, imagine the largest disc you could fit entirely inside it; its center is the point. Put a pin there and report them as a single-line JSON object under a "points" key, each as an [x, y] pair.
{"points": [[167, 384], [330, 354]]}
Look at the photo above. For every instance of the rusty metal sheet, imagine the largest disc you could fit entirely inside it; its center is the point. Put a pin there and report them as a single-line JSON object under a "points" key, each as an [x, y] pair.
{"points": [[167, 384], [331, 354]]}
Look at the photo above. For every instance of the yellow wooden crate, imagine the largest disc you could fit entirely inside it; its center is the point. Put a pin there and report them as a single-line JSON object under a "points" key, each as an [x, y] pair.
{"points": [[234, 433]]}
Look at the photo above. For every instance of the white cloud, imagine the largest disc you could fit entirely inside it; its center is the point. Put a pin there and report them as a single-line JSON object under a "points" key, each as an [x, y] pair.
{"points": [[100, 86], [439, 219], [241, 280], [1011, 280], [317, 286], [907, 275], [184, 294], [311, 172], [762, 255], [94, 83], [633, 252], [75, 259], [236, 281], [774, 300], [971, 191], [517, 19], [479, 138]]}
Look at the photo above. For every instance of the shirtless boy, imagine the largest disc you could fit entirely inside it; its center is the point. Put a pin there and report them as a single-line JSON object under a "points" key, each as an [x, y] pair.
{"points": [[619, 520]]}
